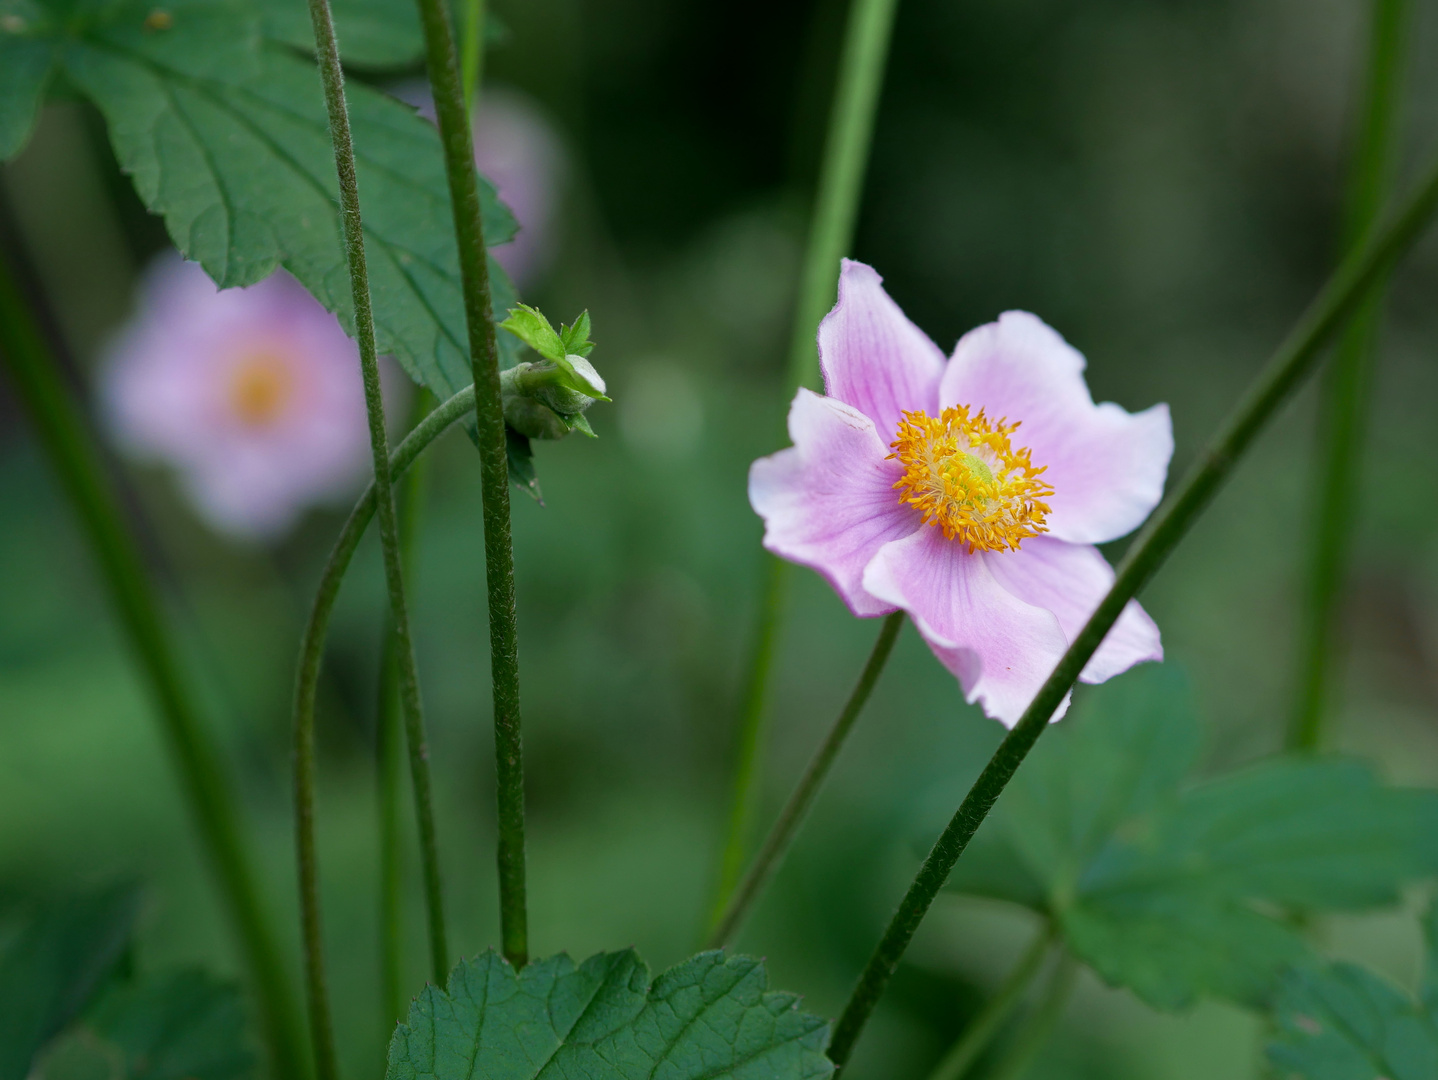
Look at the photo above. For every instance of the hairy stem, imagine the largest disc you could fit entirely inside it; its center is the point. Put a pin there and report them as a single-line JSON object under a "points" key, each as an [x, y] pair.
{"points": [[797, 808], [454, 132], [1346, 387], [981, 1030], [1030, 1038], [831, 231], [207, 788], [389, 753], [332, 75], [1293, 360]]}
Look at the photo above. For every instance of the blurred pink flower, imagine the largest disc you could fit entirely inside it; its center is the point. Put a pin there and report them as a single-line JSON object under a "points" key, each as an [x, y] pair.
{"points": [[253, 395], [909, 486]]}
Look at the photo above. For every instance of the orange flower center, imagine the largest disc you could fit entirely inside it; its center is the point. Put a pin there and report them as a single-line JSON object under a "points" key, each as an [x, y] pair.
{"points": [[260, 388], [963, 474]]}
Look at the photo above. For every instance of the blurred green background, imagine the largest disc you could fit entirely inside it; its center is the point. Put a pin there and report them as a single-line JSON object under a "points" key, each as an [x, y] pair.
{"points": [[1159, 179]]}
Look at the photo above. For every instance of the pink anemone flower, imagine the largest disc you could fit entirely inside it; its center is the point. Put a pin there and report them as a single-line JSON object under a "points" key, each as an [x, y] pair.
{"points": [[968, 493], [252, 395]]}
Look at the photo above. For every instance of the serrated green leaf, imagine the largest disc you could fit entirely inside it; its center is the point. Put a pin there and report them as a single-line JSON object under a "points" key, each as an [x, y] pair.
{"points": [[576, 337], [1341, 1022], [54, 965], [530, 325], [371, 33], [1155, 886], [708, 1017], [225, 135]]}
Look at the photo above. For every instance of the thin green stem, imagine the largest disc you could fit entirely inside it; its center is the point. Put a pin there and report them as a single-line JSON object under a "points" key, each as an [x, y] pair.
{"points": [[389, 747], [332, 75], [981, 1030], [1344, 408], [1030, 1038], [831, 232], [454, 133], [1293, 360], [206, 785], [797, 808], [472, 62]]}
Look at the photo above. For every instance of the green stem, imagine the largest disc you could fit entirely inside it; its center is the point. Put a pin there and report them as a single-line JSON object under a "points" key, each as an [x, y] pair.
{"points": [[1346, 388], [472, 62], [983, 1027], [1294, 359], [454, 133], [332, 75], [207, 788], [389, 747], [831, 231], [1030, 1039], [797, 808]]}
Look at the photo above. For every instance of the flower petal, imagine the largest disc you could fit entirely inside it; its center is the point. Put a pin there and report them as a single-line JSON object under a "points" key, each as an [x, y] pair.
{"points": [[1107, 465], [828, 502], [1000, 648], [1070, 580], [872, 356]]}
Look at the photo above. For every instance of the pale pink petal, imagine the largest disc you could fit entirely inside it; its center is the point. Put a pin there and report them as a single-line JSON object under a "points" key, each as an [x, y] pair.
{"points": [[1107, 466], [828, 502], [1000, 648], [1070, 580], [873, 357]]}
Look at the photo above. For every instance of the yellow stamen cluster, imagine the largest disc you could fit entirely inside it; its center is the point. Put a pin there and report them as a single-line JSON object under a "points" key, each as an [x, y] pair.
{"points": [[260, 388], [963, 474]]}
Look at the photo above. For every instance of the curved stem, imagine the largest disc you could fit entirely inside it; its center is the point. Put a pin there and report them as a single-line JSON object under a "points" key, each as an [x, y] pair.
{"points": [[205, 784], [797, 808], [332, 75], [831, 231], [983, 1027], [454, 133], [1346, 387], [1030, 1039], [1294, 359]]}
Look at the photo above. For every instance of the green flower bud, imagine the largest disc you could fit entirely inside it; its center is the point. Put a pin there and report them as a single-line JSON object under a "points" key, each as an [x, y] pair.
{"points": [[546, 400]]}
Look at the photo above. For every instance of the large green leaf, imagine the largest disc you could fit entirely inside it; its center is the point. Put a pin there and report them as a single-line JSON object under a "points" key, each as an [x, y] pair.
{"points": [[25, 67], [1172, 891], [53, 966], [225, 135], [708, 1017]]}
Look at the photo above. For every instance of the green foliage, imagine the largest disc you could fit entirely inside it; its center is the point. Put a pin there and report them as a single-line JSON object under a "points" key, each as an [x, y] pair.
{"points": [[1173, 892], [179, 1026], [566, 349], [53, 966], [706, 1017], [224, 132]]}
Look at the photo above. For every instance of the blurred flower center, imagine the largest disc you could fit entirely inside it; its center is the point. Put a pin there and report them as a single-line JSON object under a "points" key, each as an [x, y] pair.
{"points": [[260, 388], [964, 475]]}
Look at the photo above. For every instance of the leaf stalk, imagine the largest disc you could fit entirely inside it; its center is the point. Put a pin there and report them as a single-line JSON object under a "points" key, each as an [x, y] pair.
{"points": [[1346, 387], [455, 136], [321, 1027]]}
